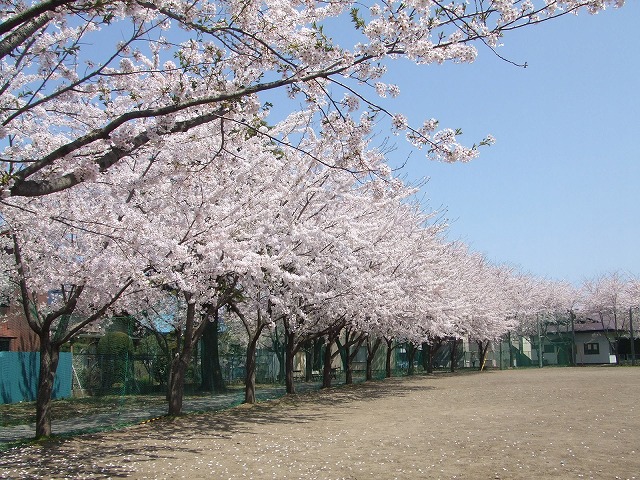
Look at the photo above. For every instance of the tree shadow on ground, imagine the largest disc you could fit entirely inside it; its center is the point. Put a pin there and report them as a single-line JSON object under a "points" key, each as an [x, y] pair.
{"points": [[114, 454]]}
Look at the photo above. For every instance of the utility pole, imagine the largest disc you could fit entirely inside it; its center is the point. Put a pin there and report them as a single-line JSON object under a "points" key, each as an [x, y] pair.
{"points": [[574, 353], [511, 365], [633, 347], [540, 349]]}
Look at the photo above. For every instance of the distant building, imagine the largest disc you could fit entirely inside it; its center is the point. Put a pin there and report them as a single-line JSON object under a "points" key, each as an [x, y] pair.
{"points": [[596, 340], [15, 333]]}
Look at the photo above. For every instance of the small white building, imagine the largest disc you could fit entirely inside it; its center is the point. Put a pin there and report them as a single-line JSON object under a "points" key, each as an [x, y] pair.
{"points": [[595, 340]]}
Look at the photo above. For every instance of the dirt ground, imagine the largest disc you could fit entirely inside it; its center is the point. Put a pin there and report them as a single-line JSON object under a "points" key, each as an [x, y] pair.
{"points": [[521, 424]]}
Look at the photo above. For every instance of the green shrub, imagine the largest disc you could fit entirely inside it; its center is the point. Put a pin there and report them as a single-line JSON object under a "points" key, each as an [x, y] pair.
{"points": [[115, 358]]}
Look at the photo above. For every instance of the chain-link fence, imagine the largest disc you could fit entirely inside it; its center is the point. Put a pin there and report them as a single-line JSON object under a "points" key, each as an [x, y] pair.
{"points": [[121, 389], [130, 372], [105, 374]]}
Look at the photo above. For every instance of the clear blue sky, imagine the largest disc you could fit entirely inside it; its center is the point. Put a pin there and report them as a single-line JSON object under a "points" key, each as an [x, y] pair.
{"points": [[558, 195]]}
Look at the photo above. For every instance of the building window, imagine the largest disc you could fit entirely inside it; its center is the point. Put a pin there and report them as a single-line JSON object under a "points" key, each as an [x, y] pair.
{"points": [[591, 348], [5, 343]]}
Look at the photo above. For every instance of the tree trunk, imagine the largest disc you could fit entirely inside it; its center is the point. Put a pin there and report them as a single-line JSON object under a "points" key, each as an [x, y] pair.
{"points": [[308, 360], [452, 358], [426, 354], [388, 359], [177, 375], [212, 379], [348, 373], [371, 354], [289, 357], [250, 376], [180, 362], [326, 371], [279, 350], [431, 352], [411, 356], [349, 351], [49, 357], [348, 366], [483, 353]]}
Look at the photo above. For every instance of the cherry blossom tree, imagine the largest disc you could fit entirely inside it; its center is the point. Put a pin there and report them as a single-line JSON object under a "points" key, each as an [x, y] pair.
{"points": [[85, 85], [146, 166], [607, 296], [491, 319], [405, 265], [66, 276], [198, 207], [633, 291]]}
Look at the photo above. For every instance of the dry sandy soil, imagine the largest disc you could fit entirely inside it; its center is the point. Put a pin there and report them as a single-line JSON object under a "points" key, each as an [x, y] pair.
{"points": [[522, 424]]}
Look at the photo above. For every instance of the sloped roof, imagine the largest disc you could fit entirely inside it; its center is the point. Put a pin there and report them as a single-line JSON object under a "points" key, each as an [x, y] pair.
{"points": [[594, 323]]}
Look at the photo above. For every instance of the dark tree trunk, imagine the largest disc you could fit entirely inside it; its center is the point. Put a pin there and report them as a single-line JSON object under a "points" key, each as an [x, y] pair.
{"points": [[349, 351], [426, 357], [49, 357], [328, 357], [452, 358], [308, 360], [252, 347], [433, 350], [211, 372], [180, 362], [371, 354], [430, 357], [289, 357], [348, 366], [279, 350], [411, 356], [482, 349], [177, 377], [388, 358], [250, 377], [389, 342]]}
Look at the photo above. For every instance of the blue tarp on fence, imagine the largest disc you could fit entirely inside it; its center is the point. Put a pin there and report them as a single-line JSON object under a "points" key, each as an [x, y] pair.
{"points": [[19, 376]]}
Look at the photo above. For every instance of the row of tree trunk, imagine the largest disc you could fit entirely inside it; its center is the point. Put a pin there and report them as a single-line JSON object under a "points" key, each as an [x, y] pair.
{"points": [[347, 343], [320, 348]]}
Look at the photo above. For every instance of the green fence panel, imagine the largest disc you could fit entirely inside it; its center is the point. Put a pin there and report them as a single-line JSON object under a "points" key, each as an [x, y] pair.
{"points": [[19, 376]]}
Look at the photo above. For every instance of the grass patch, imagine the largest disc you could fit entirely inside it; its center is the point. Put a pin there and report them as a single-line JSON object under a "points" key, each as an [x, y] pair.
{"points": [[24, 413], [63, 409]]}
